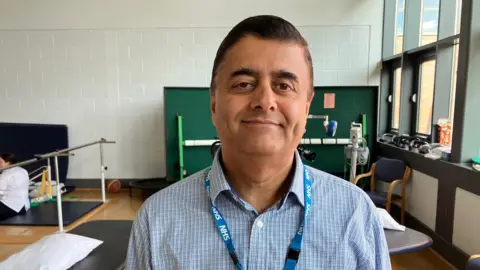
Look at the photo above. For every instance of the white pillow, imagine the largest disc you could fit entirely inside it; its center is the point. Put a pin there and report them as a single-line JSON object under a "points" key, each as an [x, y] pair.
{"points": [[57, 251], [388, 222]]}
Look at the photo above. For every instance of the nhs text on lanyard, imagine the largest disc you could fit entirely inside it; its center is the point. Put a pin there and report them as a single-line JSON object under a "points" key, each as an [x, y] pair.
{"points": [[295, 245]]}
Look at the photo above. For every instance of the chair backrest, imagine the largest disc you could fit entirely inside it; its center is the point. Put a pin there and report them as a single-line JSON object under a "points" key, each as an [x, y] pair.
{"points": [[473, 263], [389, 170]]}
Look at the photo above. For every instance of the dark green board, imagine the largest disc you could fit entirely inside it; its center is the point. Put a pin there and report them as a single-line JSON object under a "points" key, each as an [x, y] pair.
{"points": [[193, 104]]}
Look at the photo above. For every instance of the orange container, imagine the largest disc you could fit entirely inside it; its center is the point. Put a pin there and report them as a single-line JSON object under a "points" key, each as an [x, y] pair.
{"points": [[445, 134]]}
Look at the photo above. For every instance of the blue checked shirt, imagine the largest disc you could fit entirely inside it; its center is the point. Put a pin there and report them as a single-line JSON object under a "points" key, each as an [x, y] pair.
{"points": [[175, 229]]}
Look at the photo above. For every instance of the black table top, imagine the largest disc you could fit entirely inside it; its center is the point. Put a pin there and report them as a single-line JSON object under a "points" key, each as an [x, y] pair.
{"points": [[112, 252], [408, 241], [115, 235], [150, 184]]}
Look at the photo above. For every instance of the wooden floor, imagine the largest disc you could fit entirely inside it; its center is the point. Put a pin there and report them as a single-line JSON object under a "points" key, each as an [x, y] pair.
{"points": [[122, 206]]}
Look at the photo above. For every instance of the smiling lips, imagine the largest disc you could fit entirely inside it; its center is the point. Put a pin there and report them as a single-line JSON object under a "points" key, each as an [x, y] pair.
{"points": [[258, 121]]}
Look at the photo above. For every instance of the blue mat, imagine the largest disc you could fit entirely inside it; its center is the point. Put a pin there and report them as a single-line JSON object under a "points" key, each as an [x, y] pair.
{"points": [[45, 214]]}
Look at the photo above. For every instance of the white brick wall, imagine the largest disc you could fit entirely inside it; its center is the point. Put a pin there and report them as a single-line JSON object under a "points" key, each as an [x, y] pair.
{"points": [[107, 79]]}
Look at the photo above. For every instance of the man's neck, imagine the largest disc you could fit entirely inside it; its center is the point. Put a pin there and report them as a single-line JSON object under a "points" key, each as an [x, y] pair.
{"points": [[260, 181]]}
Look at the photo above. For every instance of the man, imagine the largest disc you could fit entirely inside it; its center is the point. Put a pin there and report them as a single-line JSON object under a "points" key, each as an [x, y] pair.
{"points": [[258, 206], [14, 183]]}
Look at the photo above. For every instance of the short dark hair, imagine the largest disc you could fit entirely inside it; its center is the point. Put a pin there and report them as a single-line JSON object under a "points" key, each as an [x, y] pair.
{"points": [[261, 26], [8, 157]]}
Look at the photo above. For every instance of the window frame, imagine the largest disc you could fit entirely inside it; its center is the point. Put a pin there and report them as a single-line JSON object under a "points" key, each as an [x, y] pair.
{"points": [[435, 10], [396, 28], [393, 66], [428, 56], [452, 15], [453, 85]]}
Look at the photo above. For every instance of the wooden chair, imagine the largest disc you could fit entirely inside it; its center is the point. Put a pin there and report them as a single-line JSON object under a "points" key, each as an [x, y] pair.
{"points": [[391, 171]]}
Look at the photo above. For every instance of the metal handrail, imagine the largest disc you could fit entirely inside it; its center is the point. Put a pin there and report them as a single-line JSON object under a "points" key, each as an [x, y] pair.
{"points": [[36, 170], [23, 163], [59, 155], [53, 154], [38, 175], [43, 167]]}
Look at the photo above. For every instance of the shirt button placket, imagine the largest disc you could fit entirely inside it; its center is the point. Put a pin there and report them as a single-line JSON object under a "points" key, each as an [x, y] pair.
{"points": [[257, 242], [259, 224]]}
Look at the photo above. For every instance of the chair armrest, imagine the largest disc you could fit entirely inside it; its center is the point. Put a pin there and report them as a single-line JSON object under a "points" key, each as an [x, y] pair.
{"points": [[360, 176], [392, 186]]}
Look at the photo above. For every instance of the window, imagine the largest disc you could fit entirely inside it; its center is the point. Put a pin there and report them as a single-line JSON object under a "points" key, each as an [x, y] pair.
{"points": [[399, 14], [397, 80], [429, 25], [458, 18], [425, 97], [419, 95], [454, 83]]}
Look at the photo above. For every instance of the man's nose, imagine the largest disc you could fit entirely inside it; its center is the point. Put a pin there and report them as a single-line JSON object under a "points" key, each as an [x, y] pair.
{"points": [[264, 98]]}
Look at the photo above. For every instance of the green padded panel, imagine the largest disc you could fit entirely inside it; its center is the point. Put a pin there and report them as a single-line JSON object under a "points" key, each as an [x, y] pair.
{"points": [[350, 102], [194, 105]]}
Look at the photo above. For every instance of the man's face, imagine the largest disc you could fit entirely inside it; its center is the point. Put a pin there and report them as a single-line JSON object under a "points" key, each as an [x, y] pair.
{"points": [[262, 96], [3, 164]]}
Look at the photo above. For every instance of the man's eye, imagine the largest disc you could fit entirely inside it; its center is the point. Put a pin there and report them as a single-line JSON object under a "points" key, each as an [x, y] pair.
{"points": [[283, 86], [243, 85]]}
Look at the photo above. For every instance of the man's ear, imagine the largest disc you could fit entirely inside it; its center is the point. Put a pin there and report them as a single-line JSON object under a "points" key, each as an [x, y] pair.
{"points": [[213, 103], [312, 94], [309, 102]]}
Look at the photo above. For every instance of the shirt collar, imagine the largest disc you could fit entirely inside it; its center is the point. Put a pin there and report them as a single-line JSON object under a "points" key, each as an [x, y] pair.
{"points": [[298, 186], [217, 178], [219, 182]]}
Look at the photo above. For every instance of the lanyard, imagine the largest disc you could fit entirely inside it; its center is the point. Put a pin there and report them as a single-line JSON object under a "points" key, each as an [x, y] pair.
{"points": [[296, 244]]}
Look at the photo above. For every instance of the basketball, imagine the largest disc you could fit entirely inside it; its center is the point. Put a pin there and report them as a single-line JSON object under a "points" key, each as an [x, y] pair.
{"points": [[113, 185]]}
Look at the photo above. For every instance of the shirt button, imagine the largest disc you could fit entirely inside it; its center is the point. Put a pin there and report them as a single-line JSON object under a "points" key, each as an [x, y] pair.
{"points": [[260, 224]]}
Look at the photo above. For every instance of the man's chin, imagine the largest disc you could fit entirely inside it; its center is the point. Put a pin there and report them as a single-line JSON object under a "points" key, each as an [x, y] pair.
{"points": [[260, 149]]}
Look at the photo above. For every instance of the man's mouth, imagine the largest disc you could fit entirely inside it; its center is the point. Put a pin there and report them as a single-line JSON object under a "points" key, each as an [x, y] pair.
{"points": [[261, 122]]}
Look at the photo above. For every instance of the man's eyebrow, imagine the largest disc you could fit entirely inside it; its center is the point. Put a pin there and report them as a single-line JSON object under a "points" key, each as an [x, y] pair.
{"points": [[278, 73], [243, 71], [285, 75]]}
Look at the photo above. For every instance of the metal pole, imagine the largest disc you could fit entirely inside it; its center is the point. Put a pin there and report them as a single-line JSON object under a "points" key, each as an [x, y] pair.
{"points": [[52, 154], [23, 163], [75, 148], [353, 160], [356, 137], [102, 171], [59, 197], [39, 169], [313, 116], [325, 117], [49, 179], [180, 145]]}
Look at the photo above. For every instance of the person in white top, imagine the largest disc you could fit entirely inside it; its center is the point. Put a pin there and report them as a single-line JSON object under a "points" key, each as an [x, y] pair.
{"points": [[14, 183]]}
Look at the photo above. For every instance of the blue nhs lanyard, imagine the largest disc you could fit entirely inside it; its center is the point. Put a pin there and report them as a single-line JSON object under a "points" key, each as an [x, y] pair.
{"points": [[296, 244]]}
